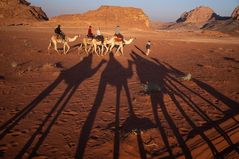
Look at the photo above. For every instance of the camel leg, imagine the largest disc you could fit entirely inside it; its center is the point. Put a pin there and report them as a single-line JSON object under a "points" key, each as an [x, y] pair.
{"points": [[86, 49], [117, 50], [49, 46], [102, 50], [90, 47], [64, 48], [95, 48], [55, 47], [107, 49], [111, 47], [68, 48], [122, 50], [79, 48], [99, 50]]}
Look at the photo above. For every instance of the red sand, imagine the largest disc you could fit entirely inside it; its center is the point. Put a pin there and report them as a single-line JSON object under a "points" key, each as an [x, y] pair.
{"points": [[94, 107]]}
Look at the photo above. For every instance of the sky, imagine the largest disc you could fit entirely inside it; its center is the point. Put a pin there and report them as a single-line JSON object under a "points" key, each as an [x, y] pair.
{"points": [[163, 10]]}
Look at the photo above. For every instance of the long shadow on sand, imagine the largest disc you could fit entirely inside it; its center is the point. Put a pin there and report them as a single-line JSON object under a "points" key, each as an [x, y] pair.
{"points": [[166, 77], [116, 75], [73, 77]]}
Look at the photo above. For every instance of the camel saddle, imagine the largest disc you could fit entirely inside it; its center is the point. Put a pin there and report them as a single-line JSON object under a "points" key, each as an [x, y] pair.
{"points": [[99, 38], [58, 36], [118, 39]]}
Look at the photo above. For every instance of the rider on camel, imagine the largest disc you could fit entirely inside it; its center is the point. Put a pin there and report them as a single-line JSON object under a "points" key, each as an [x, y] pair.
{"points": [[99, 36], [59, 32], [119, 36], [90, 34]]}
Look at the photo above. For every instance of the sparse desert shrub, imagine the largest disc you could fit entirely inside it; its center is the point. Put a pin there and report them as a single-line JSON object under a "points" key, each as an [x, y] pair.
{"points": [[47, 66], [14, 64]]}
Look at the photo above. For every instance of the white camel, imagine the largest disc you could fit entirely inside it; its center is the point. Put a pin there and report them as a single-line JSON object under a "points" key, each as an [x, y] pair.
{"points": [[100, 45], [112, 42], [86, 42], [95, 44], [55, 40]]}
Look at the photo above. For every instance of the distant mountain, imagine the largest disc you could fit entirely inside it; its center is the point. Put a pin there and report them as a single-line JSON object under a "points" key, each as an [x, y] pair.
{"points": [[226, 26], [20, 12], [235, 13], [204, 18], [198, 15], [229, 25], [105, 17]]}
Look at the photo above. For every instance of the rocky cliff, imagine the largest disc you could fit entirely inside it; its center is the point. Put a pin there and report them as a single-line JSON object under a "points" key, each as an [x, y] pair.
{"points": [[20, 12], [200, 14], [235, 13], [107, 16]]}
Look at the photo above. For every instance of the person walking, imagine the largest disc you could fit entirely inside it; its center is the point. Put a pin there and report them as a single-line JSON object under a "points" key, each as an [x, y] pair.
{"points": [[148, 47]]}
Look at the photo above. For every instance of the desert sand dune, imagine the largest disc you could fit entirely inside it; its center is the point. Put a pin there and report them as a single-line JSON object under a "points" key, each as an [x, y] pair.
{"points": [[83, 106], [181, 101]]}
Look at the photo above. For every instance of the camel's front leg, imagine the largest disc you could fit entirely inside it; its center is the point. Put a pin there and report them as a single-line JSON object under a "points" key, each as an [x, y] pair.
{"points": [[99, 50], [86, 49], [90, 47], [64, 48], [107, 49], [111, 47]]}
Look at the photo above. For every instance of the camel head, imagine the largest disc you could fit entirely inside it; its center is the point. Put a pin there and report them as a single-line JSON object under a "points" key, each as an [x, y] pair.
{"points": [[73, 39], [129, 41]]}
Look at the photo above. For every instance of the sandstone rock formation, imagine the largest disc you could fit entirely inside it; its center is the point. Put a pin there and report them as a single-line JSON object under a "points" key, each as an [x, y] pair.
{"points": [[194, 19], [235, 13], [200, 14], [19, 12], [107, 16], [228, 26], [204, 18]]}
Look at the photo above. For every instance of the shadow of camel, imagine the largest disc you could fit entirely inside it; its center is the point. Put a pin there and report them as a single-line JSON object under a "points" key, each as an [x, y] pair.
{"points": [[166, 78], [73, 77], [115, 75]]}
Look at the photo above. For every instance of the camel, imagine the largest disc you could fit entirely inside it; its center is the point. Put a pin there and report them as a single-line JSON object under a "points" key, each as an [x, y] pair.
{"points": [[98, 44], [95, 44], [85, 42], [55, 39], [112, 42]]}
